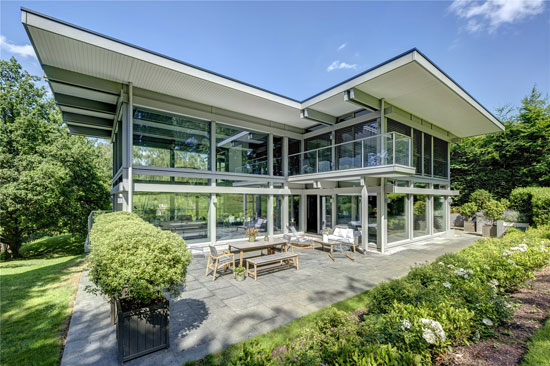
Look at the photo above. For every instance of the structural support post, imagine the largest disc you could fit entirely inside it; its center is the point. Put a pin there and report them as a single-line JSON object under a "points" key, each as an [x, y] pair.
{"points": [[125, 170], [381, 217], [213, 198], [130, 147], [285, 156], [364, 214], [284, 213]]}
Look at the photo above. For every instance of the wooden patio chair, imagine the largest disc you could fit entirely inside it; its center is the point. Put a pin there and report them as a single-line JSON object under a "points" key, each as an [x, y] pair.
{"points": [[298, 241], [219, 261]]}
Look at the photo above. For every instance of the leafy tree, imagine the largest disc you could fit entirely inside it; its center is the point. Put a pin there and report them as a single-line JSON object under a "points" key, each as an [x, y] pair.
{"points": [[516, 157], [49, 179]]}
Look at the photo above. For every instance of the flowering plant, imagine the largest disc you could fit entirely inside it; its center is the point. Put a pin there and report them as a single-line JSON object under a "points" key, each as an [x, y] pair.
{"points": [[252, 231]]}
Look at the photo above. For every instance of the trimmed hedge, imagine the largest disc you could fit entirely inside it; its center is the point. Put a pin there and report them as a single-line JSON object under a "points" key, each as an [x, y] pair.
{"points": [[459, 299], [130, 257], [534, 202]]}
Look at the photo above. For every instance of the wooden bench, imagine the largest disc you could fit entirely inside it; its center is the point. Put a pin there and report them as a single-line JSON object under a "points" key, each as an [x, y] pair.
{"points": [[286, 259]]}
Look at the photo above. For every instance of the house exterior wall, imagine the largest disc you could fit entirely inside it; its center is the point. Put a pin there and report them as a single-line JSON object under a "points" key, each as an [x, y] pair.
{"points": [[180, 169]]}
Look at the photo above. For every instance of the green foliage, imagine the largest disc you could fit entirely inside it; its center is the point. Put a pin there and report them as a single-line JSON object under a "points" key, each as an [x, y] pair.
{"points": [[533, 202], [49, 179], [129, 257], [419, 207], [468, 210], [67, 244], [494, 209], [480, 198], [516, 157], [538, 353]]}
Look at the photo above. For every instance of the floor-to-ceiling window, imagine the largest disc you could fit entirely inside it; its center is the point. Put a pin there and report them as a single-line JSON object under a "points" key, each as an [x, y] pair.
{"points": [[349, 145], [420, 215], [183, 213], [237, 212], [277, 214], [294, 211], [326, 212], [170, 141], [373, 219], [318, 154], [240, 151], [396, 217], [439, 222], [441, 156], [348, 210], [278, 156], [294, 156]]}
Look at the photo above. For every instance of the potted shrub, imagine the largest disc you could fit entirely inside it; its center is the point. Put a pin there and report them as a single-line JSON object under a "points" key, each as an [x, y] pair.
{"points": [[493, 210], [134, 264], [240, 274], [252, 232], [468, 210]]}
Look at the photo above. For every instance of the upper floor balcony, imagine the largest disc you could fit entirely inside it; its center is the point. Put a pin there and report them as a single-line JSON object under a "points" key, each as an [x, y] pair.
{"points": [[387, 154]]}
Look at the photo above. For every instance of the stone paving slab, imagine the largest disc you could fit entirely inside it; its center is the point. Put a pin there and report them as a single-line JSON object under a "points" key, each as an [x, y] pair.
{"points": [[211, 315]]}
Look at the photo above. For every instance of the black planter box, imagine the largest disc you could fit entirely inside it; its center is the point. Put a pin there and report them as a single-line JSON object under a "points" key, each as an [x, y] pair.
{"points": [[141, 331]]}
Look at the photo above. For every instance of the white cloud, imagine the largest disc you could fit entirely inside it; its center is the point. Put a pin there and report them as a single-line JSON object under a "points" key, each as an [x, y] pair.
{"points": [[23, 51], [491, 14], [342, 46], [338, 65]]}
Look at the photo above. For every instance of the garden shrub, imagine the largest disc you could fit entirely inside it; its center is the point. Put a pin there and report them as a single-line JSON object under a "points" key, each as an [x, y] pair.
{"points": [[130, 257], [480, 198], [533, 202]]}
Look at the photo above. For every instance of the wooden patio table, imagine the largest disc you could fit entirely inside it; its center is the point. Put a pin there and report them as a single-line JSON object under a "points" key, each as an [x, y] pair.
{"points": [[259, 244]]}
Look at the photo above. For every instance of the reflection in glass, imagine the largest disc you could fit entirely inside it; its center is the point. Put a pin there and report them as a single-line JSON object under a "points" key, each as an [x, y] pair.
{"points": [[372, 220], [397, 217], [237, 212], [183, 213], [277, 214], [439, 214], [326, 212], [170, 141], [240, 151], [348, 210], [294, 211], [420, 214]]}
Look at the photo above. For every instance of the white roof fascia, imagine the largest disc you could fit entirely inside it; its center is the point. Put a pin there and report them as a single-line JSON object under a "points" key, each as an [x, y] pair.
{"points": [[65, 30]]}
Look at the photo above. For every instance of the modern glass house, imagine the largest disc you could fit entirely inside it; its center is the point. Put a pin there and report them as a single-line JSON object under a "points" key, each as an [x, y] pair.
{"points": [[206, 156]]}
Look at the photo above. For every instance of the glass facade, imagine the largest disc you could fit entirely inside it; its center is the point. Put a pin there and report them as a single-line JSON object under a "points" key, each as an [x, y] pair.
{"points": [[277, 214], [396, 217], [278, 156], [326, 212], [183, 213], [237, 212], [420, 215], [439, 222], [441, 161], [170, 141], [241, 151], [349, 210], [294, 211]]}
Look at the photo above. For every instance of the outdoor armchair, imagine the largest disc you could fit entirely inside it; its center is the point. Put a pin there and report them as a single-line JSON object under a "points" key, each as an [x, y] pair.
{"points": [[296, 240], [219, 261]]}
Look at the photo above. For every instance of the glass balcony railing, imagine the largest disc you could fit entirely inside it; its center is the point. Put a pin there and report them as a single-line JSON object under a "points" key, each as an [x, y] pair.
{"points": [[387, 149]]}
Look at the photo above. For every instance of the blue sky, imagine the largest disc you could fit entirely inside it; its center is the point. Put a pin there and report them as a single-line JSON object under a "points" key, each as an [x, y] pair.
{"points": [[495, 50]]}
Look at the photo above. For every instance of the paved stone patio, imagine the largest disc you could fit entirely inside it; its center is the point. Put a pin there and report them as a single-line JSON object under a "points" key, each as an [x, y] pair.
{"points": [[211, 315]]}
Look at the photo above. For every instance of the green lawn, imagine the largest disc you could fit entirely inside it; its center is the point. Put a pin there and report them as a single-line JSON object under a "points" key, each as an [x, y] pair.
{"points": [[538, 353], [36, 296]]}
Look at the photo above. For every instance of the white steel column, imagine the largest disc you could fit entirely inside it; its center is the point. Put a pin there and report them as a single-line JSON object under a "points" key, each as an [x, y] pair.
{"points": [[130, 146], [364, 215], [284, 214], [270, 196], [430, 209], [410, 213], [381, 226], [125, 169], [334, 209], [213, 198]]}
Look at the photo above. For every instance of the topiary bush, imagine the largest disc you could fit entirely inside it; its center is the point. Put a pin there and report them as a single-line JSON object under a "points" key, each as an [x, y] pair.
{"points": [[480, 197], [132, 258], [468, 210]]}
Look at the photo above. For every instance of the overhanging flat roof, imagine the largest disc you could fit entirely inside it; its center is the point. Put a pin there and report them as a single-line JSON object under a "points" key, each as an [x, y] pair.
{"points": [[87, 70]]}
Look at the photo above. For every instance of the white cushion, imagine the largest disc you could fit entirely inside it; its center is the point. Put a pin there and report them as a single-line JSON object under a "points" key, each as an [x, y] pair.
{"points": [[337, 232], [349, 234], [340, 238]]}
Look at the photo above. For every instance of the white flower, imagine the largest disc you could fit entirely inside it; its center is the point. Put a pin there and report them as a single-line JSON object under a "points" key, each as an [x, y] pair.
{"points": [[511, 262], [441, 263], [493, 282], [428, 335], [487, 322], [450, 266], [470, 271], [486, 267], [506, 252], [433, 328], [406, 324], [446, 284]]}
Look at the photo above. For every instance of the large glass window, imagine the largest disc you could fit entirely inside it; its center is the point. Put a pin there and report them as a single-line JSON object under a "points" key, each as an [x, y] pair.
{"points": [[240, 151], [326, 212], [348, 153], [420, 215], [183, 213], [237, 212], [277, 214], [170, 141], [440, 158], [294, 211], [439, 214], [397, 217], [277, 156], [294, 158], [417, 151], [427, 154], [320, 158], [348, 210]]}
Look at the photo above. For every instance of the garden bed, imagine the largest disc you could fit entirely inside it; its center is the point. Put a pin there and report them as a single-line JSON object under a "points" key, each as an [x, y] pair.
{"points": [[509, 344]]}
